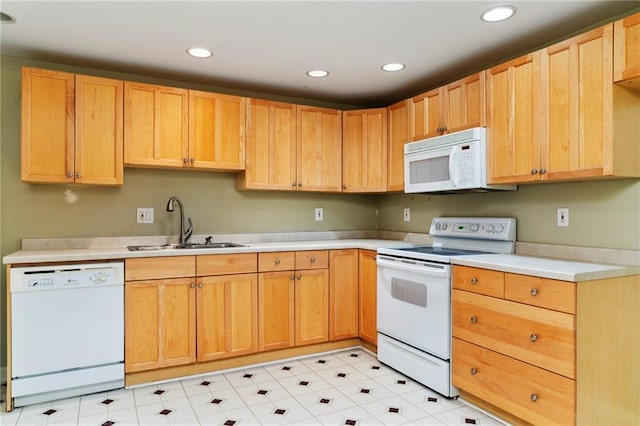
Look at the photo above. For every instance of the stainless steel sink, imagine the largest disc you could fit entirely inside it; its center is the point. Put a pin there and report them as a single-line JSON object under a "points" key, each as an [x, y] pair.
{"points": [[183, 246]]}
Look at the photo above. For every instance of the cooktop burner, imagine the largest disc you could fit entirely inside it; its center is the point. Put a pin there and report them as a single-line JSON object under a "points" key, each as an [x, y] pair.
{"points": [[440, 251]]}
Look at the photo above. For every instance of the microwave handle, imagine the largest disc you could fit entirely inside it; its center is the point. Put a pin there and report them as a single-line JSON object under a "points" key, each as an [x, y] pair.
{"points": [[453, 163]]}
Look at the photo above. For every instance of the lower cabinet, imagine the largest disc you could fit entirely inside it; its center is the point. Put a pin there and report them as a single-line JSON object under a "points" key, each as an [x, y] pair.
{"points": [[343, 294], [368, 291]]}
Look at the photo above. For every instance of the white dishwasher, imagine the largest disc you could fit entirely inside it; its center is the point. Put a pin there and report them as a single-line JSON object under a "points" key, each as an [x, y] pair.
{"points": [[67, 330]]}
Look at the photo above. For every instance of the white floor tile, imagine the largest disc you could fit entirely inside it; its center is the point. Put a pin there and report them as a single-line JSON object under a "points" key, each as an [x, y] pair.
{"points": [[280, 412], [431, 402], [325, 402], [464, 416], [365, 391], [304, 383], [238, 417], [287, 369]]}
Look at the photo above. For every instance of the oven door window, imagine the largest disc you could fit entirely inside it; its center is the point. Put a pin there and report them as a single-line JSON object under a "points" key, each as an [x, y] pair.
{"points": [[409, 292]]}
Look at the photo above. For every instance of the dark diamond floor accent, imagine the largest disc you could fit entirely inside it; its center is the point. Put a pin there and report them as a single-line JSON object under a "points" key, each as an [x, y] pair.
{"points": [[394, 410], [303, 383], [325, 401], [350, 422], [470, 421], [50, 412], [165, 412], [262, 392], [205, 383], [108, 423], [107, 401], [401, 382], [229, 423], [216, 401], [286, 368], [248, 376], [432, 399], [365, 390], [280, 411], [354, 355], [375, 367], [342, 375], [321, 361], [159, 392]]}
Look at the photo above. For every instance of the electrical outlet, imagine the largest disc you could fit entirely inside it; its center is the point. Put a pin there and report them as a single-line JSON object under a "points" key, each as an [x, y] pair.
{"points": [[563, 216], [407, 214], [319, 214], [144, 215]]}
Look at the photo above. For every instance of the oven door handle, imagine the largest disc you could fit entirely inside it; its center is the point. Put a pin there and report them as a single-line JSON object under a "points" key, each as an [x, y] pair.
{"points": [[442, 271]]}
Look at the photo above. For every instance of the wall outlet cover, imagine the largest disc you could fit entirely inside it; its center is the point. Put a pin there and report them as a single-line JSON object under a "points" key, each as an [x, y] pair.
{"points": [[563, 216], [144, 215], [319, 214], [407, 214]]}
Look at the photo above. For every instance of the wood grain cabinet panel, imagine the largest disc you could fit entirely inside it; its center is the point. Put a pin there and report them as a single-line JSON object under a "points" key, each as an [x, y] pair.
{"points": [[312, 306], [542, 292], [425, 115], [626, 47], [398, 127], [343, 294], [276, 298], [312, 259], [367, 289], [481, 281]]}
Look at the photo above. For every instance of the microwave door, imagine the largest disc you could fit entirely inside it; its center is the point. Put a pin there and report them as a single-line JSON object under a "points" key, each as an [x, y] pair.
{"points": [[428, 171], [454, 172]]}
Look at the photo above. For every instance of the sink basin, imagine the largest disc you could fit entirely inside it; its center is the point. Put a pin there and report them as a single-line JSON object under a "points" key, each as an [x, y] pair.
{"points": [[183, 246]]}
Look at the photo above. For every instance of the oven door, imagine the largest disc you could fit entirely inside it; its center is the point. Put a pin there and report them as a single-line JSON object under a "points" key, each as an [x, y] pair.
{"points": [[414, 303]]}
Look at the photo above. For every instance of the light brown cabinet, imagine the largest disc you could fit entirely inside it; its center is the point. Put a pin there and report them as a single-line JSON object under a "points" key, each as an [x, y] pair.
{"points": [[398, 125], [343, 294], [364, 150], [72, 128], [457, 106], [546, 351], [367, 285], [626, 51]]}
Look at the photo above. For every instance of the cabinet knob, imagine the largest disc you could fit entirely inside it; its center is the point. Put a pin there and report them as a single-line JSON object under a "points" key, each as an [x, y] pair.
{"points": [[533, 337], [534, 291], [473, 371], [69, 174], [534, 171], [200, 285], [185, 160], [292, 277], [278, 261], [299, 277], [474, 280], [299, 184], [193, 160], [192, 285], [474, 319], [534, 397], [312, 259], [293, 184], [344, 186], [543, 170], [78, 175]]}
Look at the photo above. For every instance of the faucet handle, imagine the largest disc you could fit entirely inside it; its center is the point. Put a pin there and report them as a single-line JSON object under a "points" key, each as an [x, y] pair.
{"points": [[208, 240], [188, 231]]}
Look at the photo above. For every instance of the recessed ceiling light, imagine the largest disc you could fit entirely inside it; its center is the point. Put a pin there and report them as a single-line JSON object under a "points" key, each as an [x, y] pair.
{"points": [[317, 73], [393, 67], [199, 52], [6, 19], [498, 13]]}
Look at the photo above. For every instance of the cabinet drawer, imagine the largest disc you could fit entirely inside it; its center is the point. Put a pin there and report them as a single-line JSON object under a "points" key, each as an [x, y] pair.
{"points": [[538, 336], [150, 268], [276, 261], [312, 259], [543, 292], [482, 281], [533, 394], [222, 264]]}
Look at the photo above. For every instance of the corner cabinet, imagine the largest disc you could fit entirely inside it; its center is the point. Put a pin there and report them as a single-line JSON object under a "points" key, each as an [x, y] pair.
{"points": [[626, 51], [364, 150], [72, 130]]}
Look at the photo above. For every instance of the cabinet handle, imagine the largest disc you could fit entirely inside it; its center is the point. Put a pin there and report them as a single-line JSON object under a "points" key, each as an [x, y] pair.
{"points": [[192, 285], [534, 171], [543, 170], [474, 280], [533, 337], [278, 261], [534, 397], [474, 319], [474, 371], [184, 160], [299, 277], [312, 260], [292, 277], [78, 175], [69, 174], [534, 291]]}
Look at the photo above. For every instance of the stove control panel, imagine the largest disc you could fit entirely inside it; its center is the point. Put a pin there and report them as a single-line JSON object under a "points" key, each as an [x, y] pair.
{"points": [[485, 228]]}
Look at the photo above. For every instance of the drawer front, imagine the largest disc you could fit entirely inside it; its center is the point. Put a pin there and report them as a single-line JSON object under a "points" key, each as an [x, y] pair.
{"points": [[223, 264], [481, 281], [542, 292], [533, 394], [538, 336], [312, 259], [150, 268], [276, 261]]}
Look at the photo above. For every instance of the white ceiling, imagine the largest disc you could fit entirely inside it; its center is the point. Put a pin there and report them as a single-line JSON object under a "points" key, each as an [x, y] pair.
{"points": [[267, 46]]}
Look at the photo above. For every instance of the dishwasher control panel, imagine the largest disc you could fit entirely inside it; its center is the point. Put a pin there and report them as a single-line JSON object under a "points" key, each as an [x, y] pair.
{"points": [[57, 277]]}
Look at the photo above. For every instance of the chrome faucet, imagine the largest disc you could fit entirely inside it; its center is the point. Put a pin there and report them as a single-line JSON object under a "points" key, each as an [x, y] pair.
{"points": [[185, 234]]}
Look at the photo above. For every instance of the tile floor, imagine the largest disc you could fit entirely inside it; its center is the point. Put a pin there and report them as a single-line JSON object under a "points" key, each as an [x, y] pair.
{"points": [[340, 388]]}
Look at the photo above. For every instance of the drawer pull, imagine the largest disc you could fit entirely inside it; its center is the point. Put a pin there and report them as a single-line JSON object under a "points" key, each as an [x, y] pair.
{"points": [[299, 277], [200, 285], [474, 371], [474, 280], [534, 291], [313, 260], [534, 397], [533, 337], [474, 319], [277, 261], [192, 285]]}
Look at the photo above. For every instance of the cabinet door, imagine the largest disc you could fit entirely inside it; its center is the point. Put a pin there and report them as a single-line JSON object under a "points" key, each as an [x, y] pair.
{"points": [[398, 125], [578, 103], [47, 126], [98, 131], [364, 150], [464, 103], [319, 154], [227, 316], [626, 65], [216, 131], [155, 125], [513, 120], [160, 321], [425, 115], [276, 298], [368, 288], [343, 294], [312, 307], [270, 146]]}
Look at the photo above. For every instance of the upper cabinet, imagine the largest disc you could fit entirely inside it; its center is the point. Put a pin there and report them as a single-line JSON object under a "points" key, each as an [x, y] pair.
{"points": [[626, 51], [71, 128], [292, 147], [364, 150], [398, 125], [457, 106]]}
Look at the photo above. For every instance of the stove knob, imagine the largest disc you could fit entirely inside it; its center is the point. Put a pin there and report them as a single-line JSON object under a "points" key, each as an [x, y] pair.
{"points": [[474, 227], [438, 226], [489, 228], [444, 226], [499, 228]]}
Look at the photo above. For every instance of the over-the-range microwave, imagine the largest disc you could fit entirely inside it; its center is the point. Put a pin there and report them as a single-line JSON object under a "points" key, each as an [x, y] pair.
{"points": [[456, 162]]}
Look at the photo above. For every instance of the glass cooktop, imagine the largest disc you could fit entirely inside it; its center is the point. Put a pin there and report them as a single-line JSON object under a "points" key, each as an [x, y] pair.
{"points": [[440, 251]]}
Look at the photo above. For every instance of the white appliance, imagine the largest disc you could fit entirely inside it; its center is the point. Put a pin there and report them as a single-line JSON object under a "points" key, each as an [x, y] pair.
{"points": [[67, 330], [456, 162], [414, 296]]}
